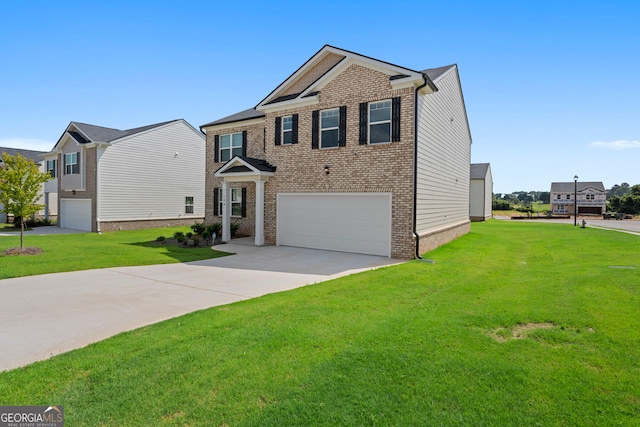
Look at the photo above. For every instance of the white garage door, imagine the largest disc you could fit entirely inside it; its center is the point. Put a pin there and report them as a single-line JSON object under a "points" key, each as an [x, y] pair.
{"points": [[75, 214], [346, 222]]}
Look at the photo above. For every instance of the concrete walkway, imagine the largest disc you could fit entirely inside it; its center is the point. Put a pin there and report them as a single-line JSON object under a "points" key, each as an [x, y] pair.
{"points": [[41, 316]]}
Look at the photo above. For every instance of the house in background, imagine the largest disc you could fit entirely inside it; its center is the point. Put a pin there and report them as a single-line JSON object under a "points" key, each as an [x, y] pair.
{"points": [[109, 179], [480, 192], [51, 209], [591, 196], [350, 154]]}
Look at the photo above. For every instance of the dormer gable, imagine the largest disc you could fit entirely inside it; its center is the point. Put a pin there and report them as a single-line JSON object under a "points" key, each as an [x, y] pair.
{"points": [[306, 83]]}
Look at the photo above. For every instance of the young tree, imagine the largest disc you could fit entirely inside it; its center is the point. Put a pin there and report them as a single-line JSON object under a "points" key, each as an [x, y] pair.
{"points": [[20, 185]]}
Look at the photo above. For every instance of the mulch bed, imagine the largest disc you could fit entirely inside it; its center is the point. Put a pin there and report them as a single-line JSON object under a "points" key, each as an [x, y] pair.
{"points": [[24, 251]]}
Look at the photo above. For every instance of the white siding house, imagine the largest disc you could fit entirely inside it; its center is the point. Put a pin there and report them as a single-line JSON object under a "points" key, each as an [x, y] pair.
{"points": [[443, 157], [145, 177], [480, 192]]}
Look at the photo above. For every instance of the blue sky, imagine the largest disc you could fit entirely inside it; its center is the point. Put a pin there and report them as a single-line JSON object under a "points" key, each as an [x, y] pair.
{"points": [[552, 88]]}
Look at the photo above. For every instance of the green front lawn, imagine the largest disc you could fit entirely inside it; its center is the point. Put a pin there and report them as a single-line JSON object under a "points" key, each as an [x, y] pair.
{"points": [[516, 324], [71, 252]]}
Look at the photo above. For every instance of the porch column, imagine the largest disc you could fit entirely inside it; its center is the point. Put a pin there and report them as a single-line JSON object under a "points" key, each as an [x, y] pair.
{"points": [[259, 232], [46, 206], [226, 211]]}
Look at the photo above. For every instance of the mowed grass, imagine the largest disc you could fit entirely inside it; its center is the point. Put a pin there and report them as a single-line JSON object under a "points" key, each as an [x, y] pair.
{"points": [[72, 252], [516, 324]]}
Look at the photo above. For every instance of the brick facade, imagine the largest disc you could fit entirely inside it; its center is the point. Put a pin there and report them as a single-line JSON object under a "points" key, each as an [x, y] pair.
{"points": [[353, 168]]}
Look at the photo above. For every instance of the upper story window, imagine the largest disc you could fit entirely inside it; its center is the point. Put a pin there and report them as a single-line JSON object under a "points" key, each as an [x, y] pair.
{"points": [[558, 196], [188, 205], [329, 128], [51, 168], [287, 130], [380, 122], [230, 146], [71, 165], [568, 196]]}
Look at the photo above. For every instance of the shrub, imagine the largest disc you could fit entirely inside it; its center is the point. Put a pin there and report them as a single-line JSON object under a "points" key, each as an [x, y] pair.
{"points": [[160, 239], [189, 235], [198, 228], [179, 236], [216, 227], [501, 205]]}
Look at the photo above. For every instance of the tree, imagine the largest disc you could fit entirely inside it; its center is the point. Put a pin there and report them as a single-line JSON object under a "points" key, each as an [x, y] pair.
{"points": [[20, 185]]}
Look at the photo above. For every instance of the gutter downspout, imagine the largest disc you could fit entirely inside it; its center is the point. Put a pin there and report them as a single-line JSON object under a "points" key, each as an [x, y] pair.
{"points": [[427, 81]]}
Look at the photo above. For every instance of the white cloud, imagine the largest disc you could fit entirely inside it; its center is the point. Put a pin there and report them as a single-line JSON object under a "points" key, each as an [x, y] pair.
{"points": [[27, 144], [616, 145]]}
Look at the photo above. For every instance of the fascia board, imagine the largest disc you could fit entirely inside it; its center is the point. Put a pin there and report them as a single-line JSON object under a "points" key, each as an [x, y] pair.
{"points": [[293, 103], [250, 122]]}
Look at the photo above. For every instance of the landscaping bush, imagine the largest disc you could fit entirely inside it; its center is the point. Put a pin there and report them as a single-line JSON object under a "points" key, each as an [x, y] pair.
{"points": [[179, 236], [160, 239], [198, 228], [501, 205]]}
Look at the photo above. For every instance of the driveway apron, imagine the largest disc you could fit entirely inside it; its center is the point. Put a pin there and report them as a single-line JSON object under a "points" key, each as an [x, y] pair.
{"points": [[45, 315]]}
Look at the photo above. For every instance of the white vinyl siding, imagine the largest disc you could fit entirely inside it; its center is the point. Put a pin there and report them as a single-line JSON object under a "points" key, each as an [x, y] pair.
{"points": [[444, 156], [148, 175]]}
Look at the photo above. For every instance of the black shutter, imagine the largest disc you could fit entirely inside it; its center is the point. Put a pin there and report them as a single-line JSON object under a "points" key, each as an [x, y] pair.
{"points": [[395, 119], [216, 148], [64, 164], [278, 135], [77, 162], [364, 123], [294, 129], [244, 143], [342, 132], [244, 202], [216, 201], [315, 129]]}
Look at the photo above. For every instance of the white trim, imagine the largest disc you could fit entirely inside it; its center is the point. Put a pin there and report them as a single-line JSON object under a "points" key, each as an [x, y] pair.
{"points": [[238, 123], [297, 103], [370, 122]]}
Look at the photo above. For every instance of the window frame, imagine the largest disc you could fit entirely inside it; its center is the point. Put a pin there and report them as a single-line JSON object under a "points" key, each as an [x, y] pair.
{"points": [[283, 132], [371, 123], [71, 167], [231, 147], [52, 170], [189, 204], [236, 199], [322, 130]]}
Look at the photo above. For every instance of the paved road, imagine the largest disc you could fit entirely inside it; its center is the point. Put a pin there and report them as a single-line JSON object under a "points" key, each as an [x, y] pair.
{"points": [[53, 313], [630, 226]]}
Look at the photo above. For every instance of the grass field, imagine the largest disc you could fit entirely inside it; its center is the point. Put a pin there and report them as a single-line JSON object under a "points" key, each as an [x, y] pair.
{"points": [[72, 252], [516, 324]]}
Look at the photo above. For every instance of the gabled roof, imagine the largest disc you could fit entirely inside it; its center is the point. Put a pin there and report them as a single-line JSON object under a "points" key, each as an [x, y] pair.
{"points": [[85, 133], [308, 80], [569, 187], [479, 170], [240, 165], [304, 85], [27, 154]]}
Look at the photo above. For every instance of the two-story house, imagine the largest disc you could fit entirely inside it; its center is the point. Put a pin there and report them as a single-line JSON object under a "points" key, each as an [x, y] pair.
{"points": [[350, 154], [591, 197], [108, 179]]}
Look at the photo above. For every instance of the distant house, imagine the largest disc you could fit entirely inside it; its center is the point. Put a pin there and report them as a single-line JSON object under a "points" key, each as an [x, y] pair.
{"points": [[350, 154], [591, 196], [30, 155], [480, 192], [109, 179]]}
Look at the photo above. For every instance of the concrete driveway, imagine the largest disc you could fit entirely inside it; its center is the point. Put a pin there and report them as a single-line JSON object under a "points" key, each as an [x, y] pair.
{"points": [[53, 313]]}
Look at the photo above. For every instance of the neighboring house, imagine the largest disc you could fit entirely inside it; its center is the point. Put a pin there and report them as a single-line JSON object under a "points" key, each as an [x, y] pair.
{"points": [[480, 192], [109, 179], [30, 155], [592, 197], [349, 154]]}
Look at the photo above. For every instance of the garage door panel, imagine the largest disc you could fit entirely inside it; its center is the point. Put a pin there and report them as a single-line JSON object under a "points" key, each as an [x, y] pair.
{"points": [[75, 214], [347, 222]]}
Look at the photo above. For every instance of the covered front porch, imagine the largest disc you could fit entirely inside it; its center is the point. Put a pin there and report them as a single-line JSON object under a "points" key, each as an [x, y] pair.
{"points": [[242, 170]]}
